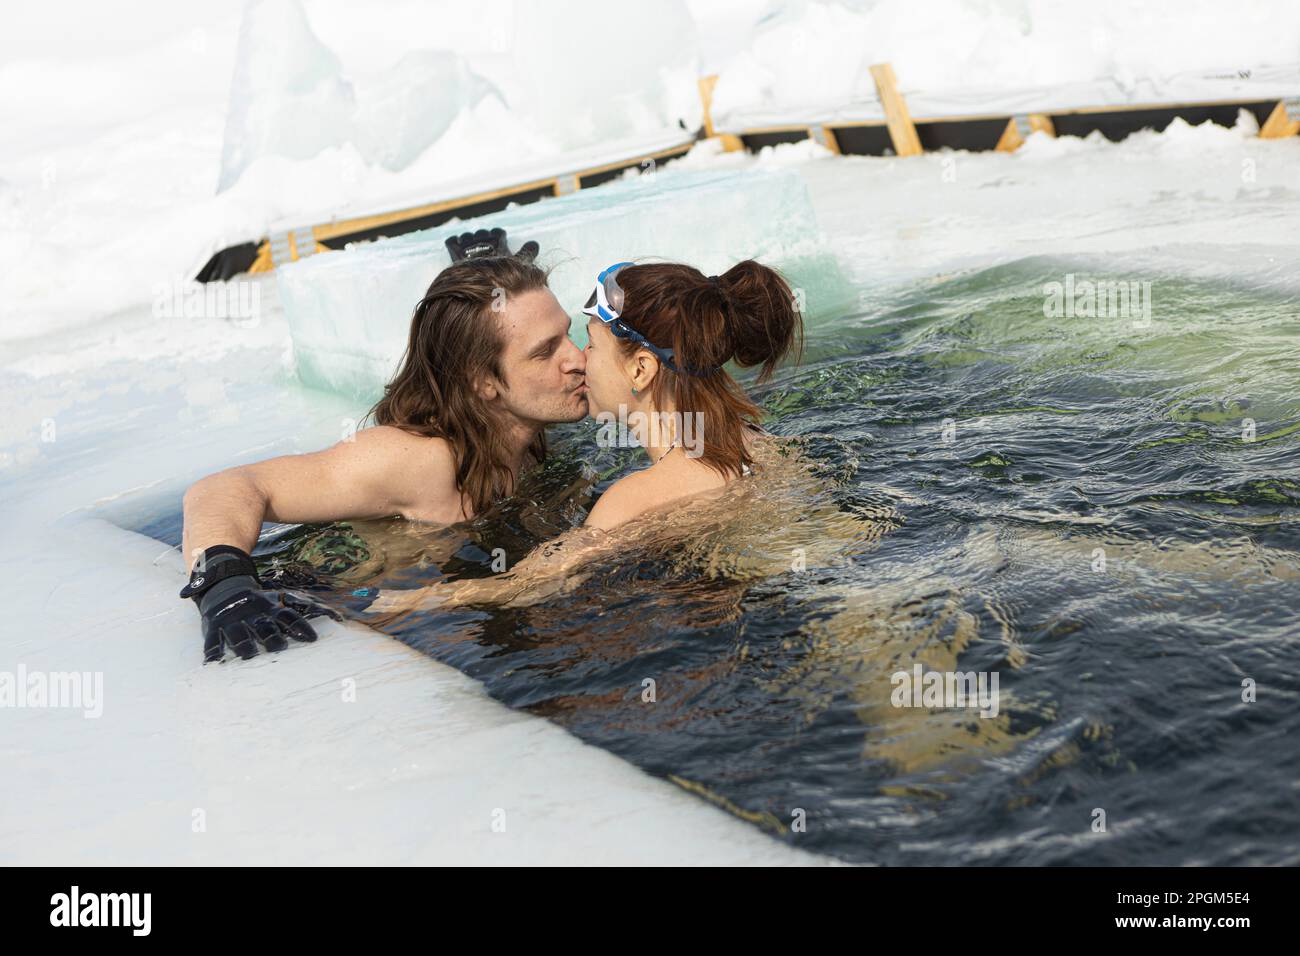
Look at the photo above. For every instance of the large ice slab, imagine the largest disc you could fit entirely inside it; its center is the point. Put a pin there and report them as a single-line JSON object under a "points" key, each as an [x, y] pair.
{"points": [[349, 312], [288, 96]]}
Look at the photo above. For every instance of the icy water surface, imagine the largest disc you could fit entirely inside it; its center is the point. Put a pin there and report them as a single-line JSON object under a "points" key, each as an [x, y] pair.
{"points": [[1102, 511]]}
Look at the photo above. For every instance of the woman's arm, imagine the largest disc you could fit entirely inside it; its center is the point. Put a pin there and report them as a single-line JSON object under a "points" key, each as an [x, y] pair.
{"points": [[547, 570], [550, 569]]}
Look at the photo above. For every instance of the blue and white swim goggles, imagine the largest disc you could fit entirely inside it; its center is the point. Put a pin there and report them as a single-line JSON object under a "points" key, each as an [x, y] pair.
{"points": [[606, 304]]}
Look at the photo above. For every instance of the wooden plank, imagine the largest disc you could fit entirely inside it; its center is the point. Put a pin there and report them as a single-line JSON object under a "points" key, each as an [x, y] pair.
{"points": [[1042, 123], [670, 152], [1010, 140], [1138, 107], [345, 227], [263, 261], [1013, 138], [825, 136], [730, 143], [973, 117], [706, 96], [901, 129], [796, 128], [1279, 124]]}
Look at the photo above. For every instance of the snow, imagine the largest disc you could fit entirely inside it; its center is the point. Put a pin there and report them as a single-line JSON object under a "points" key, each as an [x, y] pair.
{"points": [[288, 96], [810, 55], [261, 763], [111, 149]]}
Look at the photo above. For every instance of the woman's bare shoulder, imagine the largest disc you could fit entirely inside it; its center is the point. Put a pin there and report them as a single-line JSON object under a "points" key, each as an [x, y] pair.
{"points": [[623, 500]]}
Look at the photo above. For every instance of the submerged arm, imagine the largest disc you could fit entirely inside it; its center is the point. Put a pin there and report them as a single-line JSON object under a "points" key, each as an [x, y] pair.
{"points": [[550, 569], [553, 568]]}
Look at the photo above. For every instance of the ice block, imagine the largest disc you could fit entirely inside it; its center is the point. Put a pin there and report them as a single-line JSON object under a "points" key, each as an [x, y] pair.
{"points": [[349, 311]]}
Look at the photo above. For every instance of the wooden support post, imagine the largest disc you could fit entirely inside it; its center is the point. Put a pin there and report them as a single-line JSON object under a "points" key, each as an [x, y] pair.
{"points": [[263, 261], [1018, 130], [281, 250], [1283, 121], [706, 95], [825, 136], [304, 243], [730, 143], [901, 129]]}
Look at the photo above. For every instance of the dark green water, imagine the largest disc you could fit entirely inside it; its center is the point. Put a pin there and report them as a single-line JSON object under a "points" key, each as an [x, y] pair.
{"points": [[1083, 510]]}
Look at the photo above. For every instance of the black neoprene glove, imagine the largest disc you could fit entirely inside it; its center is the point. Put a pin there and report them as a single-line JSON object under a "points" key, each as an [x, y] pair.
{"points": [[487, 243], [238, 614]]}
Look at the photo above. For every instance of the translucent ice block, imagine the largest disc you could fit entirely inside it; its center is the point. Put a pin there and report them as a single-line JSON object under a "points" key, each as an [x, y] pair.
{"points": [[349, 312]]}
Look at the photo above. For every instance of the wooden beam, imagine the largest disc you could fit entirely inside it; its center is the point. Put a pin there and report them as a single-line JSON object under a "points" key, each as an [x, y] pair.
{"points": [[825, 136], [263, 261], [671, 152], [343, 227], [707, 84], [1019, 128], [901, 129], [730, 143], [1282, 122], [1135, 107], [290, 240], [972, 117]]}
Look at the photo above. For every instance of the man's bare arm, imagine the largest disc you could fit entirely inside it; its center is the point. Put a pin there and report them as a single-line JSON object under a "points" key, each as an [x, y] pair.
{"points": [[382, 472]]}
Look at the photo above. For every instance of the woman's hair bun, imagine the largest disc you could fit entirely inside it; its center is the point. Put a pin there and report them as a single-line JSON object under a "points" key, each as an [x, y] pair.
{"points": [[763, 319]]}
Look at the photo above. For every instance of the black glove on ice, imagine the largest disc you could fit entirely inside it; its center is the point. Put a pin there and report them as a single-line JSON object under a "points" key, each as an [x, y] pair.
{"points": [[238, 614], [486, 243]]}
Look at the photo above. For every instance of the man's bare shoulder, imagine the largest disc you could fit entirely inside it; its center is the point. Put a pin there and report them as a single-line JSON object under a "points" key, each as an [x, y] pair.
{"points": [[421, 468], [390, 439]]}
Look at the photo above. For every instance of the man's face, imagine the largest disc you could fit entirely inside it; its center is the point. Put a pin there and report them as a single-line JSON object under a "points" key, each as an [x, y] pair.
{"points": [[544, 370]]}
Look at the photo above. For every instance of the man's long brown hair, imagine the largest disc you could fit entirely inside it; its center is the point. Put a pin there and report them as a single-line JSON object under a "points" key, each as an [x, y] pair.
{"points": [[455, 340], [748, 316]]}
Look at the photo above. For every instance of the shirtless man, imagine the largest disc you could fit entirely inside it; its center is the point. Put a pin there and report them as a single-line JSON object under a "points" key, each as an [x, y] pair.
{"points": [[488, 365]]}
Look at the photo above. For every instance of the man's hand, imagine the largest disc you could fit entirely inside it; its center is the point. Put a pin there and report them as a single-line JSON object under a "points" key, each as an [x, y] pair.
{"points": [[487, 243], [238, 614]]}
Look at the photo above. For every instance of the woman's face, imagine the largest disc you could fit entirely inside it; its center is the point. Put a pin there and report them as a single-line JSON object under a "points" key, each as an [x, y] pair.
{"points": [[608, 385]]}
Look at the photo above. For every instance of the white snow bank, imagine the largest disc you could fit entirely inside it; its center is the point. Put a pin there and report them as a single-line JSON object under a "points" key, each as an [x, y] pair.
{"points": [[110, 161], [113, 131], [959, 57], [258, 761], [1193, 200], [290, 98]]}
